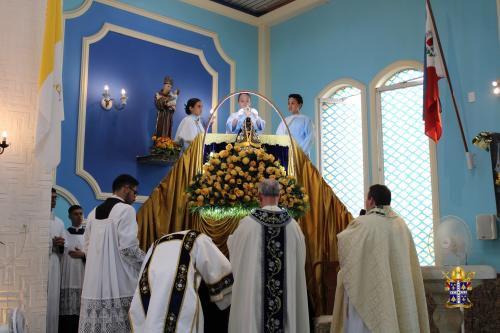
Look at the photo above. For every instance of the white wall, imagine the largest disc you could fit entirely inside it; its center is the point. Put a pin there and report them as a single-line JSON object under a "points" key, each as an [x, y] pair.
{"points": [[24, 187]]}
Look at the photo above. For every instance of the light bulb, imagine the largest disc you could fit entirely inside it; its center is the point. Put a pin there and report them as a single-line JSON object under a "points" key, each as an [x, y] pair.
{"points": [[4, 135], [106, 88], [496, 91], [123, 92], [494, 83]]}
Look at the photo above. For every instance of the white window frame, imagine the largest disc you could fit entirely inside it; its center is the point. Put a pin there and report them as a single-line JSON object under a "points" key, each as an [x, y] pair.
{"points": [[376, 87], [326, 93]]}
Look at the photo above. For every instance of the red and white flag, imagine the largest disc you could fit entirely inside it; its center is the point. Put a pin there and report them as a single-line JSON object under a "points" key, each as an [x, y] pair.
{"points": [[434, 70]]}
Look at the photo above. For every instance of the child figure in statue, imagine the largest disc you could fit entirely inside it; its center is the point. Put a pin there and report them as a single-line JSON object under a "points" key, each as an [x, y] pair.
{"points": [[247, 138], [165, 102], [235, 121]]}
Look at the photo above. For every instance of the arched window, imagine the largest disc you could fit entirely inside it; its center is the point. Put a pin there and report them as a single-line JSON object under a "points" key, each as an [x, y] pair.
{"points": [[404, 158], [342, 117]]}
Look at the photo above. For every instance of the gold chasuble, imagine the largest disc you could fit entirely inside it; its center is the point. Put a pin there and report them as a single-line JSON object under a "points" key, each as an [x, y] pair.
{"points": [[166, 211]]}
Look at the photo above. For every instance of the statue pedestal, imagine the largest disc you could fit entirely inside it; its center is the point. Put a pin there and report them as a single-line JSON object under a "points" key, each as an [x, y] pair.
{"points": [[164, 160]]}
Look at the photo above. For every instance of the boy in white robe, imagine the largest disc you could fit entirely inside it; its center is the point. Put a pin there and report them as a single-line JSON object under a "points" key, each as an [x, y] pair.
{"points": [[379, 287], [235, 121], [166, 299], [72, 272], [113, 261], [56, 249], [191, 125], [301, 126], [268, 255]]}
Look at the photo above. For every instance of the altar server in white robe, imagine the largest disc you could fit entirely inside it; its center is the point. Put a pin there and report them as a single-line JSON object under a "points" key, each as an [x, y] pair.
{"points": [[301, 126], [236, 119], [56, 249], [113, 261], [73, 270], [267, 253], [166, 299], [191, 125], [379, 287]]}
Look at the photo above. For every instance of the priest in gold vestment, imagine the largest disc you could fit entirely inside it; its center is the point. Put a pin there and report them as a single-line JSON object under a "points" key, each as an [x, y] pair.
{"points": [[379, 287]]}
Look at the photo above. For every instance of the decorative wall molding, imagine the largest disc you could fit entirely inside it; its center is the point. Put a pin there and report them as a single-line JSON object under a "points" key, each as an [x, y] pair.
{"points": [[272, 18], [327, 92], [167, 20], [89, 40], [66, 194]]}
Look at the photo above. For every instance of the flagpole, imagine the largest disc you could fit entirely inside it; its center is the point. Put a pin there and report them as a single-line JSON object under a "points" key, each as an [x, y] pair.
{"points": [[455, 105]]}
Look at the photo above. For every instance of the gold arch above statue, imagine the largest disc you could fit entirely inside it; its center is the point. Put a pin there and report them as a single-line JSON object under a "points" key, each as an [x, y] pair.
{"points": [[270, 102]]}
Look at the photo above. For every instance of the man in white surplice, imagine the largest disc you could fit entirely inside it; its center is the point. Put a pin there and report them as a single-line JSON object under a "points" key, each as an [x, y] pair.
{"points": [[166, 299], [56, 248], [379, 286], [267, 253], [72, 272], [113, 261]]}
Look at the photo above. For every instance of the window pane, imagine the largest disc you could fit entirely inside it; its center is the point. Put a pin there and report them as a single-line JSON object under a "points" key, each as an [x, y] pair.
{"points": [[404, 76], [406, 157], [342, 146]]}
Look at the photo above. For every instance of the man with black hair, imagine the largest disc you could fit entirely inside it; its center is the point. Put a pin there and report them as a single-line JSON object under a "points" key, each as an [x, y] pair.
{"points": [[73, 270], [379, 285], [113, 261], [56, 248], [301, 126]]}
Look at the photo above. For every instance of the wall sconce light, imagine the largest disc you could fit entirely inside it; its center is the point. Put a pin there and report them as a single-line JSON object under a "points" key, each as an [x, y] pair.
{"points": [[496, 87], [107, 101], [4, 143]]}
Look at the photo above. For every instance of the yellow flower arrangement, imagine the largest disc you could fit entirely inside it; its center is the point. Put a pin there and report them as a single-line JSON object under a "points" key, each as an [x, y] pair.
{"points": [[228, 183], [165, 146]]}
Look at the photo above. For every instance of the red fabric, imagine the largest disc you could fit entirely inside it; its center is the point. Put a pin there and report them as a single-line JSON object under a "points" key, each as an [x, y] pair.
{"points": [[432, 107]]}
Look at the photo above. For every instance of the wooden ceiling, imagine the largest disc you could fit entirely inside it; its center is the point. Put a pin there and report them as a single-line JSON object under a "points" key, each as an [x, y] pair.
{"points": [[254, 7]]}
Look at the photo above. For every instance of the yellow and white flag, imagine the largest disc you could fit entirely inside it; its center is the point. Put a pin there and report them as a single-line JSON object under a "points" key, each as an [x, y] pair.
{"points": [[50, 98]]}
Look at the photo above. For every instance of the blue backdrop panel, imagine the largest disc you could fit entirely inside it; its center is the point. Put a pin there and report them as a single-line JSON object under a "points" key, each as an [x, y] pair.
{"points": [[279, 152], [119, 65], [113, 139]]}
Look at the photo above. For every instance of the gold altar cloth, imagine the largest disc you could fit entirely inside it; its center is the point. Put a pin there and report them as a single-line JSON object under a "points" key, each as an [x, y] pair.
{"points": [[166, 211]]}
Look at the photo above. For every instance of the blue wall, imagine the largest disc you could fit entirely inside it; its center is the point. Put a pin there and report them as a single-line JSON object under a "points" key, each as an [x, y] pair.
{"points": [[357, 39], [61, 210], [108, 68], [120, 136], [238, 40], [352, 39]]}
